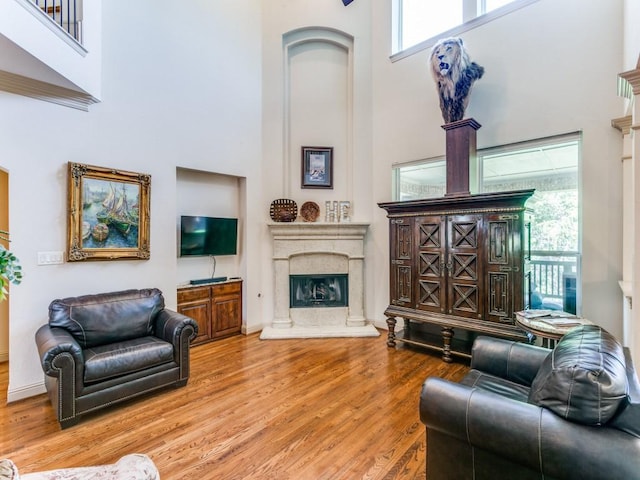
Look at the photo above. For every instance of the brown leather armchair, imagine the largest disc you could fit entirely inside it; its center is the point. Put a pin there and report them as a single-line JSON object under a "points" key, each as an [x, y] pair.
{"points": [[101, 349], [524, 412]]}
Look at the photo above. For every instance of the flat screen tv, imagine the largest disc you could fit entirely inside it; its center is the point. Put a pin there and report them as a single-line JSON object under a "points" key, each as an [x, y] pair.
{"points": [[201, 236]]}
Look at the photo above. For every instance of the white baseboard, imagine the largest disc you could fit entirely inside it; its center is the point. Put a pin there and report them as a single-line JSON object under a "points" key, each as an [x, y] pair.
{"points": [[25, 392], [382, 324], [253, 329]]}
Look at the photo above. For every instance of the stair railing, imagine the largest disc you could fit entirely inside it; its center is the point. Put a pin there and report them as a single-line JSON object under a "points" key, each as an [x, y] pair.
{"points": [[67, 14]]}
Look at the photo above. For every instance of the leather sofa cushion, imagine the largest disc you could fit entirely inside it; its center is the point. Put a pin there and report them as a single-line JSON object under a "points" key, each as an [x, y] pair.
{"points": [[584, 378], [117, 359], [628, 417], [491, 383], [107, 317]]}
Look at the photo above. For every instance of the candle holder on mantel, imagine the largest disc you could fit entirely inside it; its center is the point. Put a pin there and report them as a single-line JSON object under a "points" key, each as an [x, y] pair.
{"points": [[461, 150]]}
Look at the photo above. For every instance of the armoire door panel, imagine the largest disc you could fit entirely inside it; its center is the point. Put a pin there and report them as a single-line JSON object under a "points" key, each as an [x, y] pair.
{"points": [[498, 251], [401, 274], [430, 264], [464, 300], [499, 295], [429, 295], [464, 266], [403, 285], [404, 244], [430, 234], [464, 231]]}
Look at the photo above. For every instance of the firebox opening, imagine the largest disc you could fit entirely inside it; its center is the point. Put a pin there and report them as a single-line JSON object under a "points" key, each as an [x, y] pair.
{"points": [[311, 291]]}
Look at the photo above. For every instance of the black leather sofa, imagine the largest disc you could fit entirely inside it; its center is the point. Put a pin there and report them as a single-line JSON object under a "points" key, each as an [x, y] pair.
{"points": [[101, 349], [525, 412]]}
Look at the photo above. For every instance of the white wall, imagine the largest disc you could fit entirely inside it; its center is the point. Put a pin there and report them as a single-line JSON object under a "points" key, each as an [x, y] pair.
{"points": [[550, 68], [181, 88]]}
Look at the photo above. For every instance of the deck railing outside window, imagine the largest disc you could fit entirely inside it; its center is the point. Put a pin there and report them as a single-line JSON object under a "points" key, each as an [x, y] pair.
{"points": [[67, 14], [550, 272]]}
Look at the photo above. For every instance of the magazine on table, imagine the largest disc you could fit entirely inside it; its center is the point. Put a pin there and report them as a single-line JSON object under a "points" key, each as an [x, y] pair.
{"points": [[555, 318]]}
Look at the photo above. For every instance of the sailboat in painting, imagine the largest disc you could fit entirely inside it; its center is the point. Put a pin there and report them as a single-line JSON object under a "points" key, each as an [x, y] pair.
{"points": [[116, 211]]}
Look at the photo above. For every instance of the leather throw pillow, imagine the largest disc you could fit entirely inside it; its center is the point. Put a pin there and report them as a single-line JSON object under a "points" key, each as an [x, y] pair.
{"points": [[584, 378]]}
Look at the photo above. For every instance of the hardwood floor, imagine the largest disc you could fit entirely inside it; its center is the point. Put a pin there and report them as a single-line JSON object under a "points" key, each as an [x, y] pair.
{"points": [[253, 409]]}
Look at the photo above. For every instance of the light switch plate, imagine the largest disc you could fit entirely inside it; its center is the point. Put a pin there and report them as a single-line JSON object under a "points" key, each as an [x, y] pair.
{"points": [[50, 258]]}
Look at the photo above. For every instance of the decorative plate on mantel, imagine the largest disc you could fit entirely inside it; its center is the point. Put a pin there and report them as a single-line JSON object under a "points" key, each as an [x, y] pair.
{"points": [[309, 211], [283, 210]]}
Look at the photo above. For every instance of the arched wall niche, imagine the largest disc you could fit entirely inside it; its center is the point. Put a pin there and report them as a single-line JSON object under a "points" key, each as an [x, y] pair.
{"points": [[318, 108]]}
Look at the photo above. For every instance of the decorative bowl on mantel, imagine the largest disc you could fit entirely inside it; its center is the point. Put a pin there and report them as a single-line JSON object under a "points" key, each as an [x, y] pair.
{"points": [[309, 211]]}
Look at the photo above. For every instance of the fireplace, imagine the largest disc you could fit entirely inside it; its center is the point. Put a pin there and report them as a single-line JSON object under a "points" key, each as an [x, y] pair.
{"points": [[313, 291], [318, 280]]}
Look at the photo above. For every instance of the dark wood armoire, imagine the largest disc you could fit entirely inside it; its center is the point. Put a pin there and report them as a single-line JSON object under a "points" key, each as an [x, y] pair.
{"points": [[460, 261]]}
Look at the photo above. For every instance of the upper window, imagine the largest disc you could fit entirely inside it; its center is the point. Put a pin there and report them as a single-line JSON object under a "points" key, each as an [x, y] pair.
{"points": [[420, 23]]}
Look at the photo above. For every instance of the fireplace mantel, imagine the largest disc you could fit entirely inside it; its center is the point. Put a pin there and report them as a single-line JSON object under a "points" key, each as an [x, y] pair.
{"points": [[318, 248], [321, 230]]}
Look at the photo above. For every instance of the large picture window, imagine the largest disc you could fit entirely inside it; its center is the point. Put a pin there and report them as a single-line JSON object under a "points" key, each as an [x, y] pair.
{"points": [[551, 167]]}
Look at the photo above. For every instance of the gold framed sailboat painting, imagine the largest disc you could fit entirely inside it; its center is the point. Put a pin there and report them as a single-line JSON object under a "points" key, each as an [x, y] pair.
{"points": [[108, 216]]}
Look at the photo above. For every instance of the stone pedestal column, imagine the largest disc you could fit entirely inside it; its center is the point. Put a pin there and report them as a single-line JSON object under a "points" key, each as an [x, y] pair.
{"points": [[281, 318], [356, 293]]}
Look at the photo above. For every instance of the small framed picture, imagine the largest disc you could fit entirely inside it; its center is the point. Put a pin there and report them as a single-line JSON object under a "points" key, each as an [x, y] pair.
{"points": [[317, 167]]}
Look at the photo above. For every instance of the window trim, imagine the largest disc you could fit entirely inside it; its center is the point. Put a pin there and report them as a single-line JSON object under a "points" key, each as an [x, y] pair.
{"points": [[396, 27], [493, 150]]}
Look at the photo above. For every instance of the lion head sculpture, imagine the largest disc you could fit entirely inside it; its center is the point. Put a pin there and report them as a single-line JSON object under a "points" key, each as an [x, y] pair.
{"points": [[454, 74]]}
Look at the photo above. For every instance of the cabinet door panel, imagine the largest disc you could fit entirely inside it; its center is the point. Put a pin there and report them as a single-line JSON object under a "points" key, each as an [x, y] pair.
{"points": [[402, 285], [464, 299], [499, 295], [200, 311], [401, 269], [505, 265], [226, 317], [404, 244], [430, 235], [464, 265], [430, 295], [498, 236]]}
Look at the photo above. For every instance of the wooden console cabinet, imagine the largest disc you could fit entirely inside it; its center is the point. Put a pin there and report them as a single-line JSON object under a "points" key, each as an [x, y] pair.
{"points": [[216, 308], [458, 262]]}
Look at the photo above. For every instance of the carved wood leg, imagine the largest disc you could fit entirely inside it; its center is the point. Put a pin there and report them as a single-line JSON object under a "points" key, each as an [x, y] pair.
{"points": [[447, 335], [391, 338]]}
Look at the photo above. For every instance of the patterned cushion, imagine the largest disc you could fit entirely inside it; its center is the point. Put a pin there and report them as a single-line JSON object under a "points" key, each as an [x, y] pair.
{"points": [[130, 467], [584, 378], [8, 471]]}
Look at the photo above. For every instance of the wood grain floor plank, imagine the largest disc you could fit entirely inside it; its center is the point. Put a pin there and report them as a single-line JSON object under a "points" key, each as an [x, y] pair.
{"points": [[315, 409]]}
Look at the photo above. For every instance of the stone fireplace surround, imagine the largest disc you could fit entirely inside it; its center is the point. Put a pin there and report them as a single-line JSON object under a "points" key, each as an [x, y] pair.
{"points": [[318, 248]]}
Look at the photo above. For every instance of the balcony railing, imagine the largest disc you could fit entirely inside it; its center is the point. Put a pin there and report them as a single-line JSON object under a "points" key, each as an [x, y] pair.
{"points": [[552, 272], [67, 14]]}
